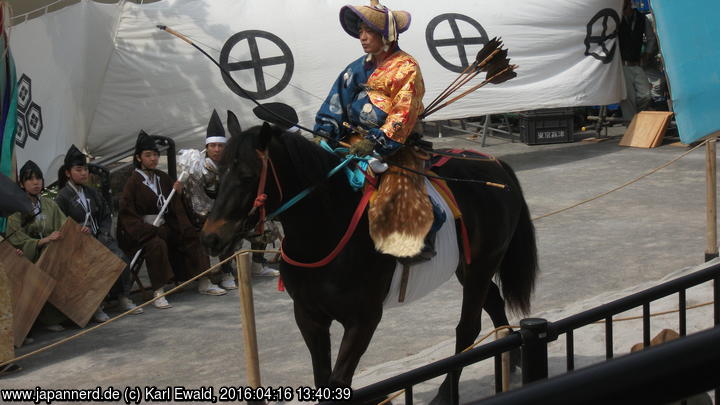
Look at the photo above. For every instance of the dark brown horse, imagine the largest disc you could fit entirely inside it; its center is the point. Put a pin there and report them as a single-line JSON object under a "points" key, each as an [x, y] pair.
{"points": [[352, 287]]}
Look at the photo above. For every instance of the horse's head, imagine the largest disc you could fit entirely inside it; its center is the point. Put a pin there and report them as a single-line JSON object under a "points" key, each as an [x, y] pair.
{"points": [[233, 216]]}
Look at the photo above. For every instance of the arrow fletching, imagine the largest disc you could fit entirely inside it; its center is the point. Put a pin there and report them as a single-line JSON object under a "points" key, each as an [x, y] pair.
{"points": [[498, 63], [488, 49], [503, 76]]}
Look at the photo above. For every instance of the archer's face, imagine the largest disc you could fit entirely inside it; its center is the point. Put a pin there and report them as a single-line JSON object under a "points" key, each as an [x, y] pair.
{"points": [[370, 40]]}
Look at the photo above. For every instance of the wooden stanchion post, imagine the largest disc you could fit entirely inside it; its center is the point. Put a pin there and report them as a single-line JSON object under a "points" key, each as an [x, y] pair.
{"points": [[505, 361], [252, 363], [711, 251]]}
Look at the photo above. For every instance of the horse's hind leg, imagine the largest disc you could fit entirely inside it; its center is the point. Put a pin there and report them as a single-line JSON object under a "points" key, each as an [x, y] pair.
{"points": [[475, 282], [315, 330], [495, 306]]}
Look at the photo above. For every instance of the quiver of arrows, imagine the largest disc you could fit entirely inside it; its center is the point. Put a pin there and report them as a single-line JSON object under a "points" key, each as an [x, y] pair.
{"points": [[492, 60]]}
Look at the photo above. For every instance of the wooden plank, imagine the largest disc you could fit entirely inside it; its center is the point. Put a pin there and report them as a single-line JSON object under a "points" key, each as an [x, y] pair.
{"points": [[646, 129], [594, 140], [85, 271], [31, 288], [7, 351]]}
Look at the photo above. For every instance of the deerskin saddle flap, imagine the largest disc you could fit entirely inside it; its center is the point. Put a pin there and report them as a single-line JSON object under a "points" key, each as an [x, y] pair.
{"points": [[400, 213]]}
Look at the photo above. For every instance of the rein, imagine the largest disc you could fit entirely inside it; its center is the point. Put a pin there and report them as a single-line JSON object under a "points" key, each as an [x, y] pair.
{"points": [[261, 198], [343, 241]]}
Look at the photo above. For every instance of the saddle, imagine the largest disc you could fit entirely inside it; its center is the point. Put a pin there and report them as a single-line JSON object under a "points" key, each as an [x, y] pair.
{"points": [[400, 212]]}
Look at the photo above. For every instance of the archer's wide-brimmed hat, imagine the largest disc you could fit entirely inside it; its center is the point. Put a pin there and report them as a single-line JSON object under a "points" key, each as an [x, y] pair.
{"points": [[387, 22]]}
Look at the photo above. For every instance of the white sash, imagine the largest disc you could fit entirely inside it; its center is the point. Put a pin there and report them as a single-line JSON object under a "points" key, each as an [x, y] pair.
{"points": [[84, 202], [154, 185]]}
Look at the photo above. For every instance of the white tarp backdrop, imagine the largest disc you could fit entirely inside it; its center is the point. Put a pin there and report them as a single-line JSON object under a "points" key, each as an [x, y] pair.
{"points": [[60, 58], [99, 82]]}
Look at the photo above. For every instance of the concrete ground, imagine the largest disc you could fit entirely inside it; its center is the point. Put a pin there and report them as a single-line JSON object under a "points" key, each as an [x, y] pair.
{"points": [[631, 237]]}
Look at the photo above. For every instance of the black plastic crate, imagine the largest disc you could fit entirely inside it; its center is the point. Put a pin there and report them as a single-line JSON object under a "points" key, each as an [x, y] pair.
{"points": [[554, 125]]}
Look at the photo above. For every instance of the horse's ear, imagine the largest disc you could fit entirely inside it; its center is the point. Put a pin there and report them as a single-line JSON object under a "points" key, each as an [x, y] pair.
{"points": [[266, 132], [233, 123]]}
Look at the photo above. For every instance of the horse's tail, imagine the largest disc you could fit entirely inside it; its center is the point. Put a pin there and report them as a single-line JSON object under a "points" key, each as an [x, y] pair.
{"points": [[519, 266]]}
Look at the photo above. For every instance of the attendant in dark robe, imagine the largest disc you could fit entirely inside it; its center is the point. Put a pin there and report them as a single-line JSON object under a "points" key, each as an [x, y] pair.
{"points": [[175, 243], [87, 207]]}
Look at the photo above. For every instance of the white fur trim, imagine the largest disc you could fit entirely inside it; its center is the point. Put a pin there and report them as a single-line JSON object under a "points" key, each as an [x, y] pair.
{"points": [[215, 139], [400, 244]]}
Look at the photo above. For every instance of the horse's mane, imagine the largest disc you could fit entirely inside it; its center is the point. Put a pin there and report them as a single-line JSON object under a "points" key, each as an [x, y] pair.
{"points": [[311, 161], [236, 147]]}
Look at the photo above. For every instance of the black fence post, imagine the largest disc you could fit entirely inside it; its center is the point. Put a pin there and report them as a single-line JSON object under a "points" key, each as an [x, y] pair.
{"points": [[534, 349]]}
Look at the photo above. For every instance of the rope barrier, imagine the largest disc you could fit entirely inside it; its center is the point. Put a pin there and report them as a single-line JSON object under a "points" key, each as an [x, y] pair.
{"points": [[670, 311], [146, 303], [623, 185]]}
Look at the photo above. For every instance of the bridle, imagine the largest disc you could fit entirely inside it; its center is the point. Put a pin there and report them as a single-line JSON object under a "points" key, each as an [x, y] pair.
{"points": [[261, 195]]}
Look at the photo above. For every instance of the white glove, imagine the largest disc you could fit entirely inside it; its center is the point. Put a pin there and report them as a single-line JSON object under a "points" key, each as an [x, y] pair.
{"points": [[377, 165]]}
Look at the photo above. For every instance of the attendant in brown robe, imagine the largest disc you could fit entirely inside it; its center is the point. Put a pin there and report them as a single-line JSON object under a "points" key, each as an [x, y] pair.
{"points": [[175, 244]]}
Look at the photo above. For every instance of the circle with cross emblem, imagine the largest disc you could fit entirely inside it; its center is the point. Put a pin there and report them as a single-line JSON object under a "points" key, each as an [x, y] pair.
{"points": [[602, 32], [466, 35], [260, 56]]}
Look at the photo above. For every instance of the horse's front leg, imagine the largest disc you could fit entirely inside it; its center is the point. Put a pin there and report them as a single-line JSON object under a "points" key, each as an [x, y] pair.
{"points": [[315, 330], [355, 341]]}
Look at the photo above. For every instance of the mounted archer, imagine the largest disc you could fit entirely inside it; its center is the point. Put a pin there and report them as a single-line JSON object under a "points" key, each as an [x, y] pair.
{"points": [[380, 96]]}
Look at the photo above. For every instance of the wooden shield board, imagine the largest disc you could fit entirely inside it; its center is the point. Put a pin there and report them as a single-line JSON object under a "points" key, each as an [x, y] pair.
{"points": [[85, 271], [646, 129], [31, 288], [7, 351]]}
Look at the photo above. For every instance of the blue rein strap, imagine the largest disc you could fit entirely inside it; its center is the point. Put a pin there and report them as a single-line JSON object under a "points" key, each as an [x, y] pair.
{"points": [[299, 196], [356, 176]]}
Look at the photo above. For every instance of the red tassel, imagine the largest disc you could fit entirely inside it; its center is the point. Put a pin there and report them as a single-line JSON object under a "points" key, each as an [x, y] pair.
{"points": [[260, 200], [281, 285]]}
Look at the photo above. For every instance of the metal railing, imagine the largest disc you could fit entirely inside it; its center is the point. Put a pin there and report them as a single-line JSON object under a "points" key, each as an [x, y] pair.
{"points": [[679, 362], [669, 372]]}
